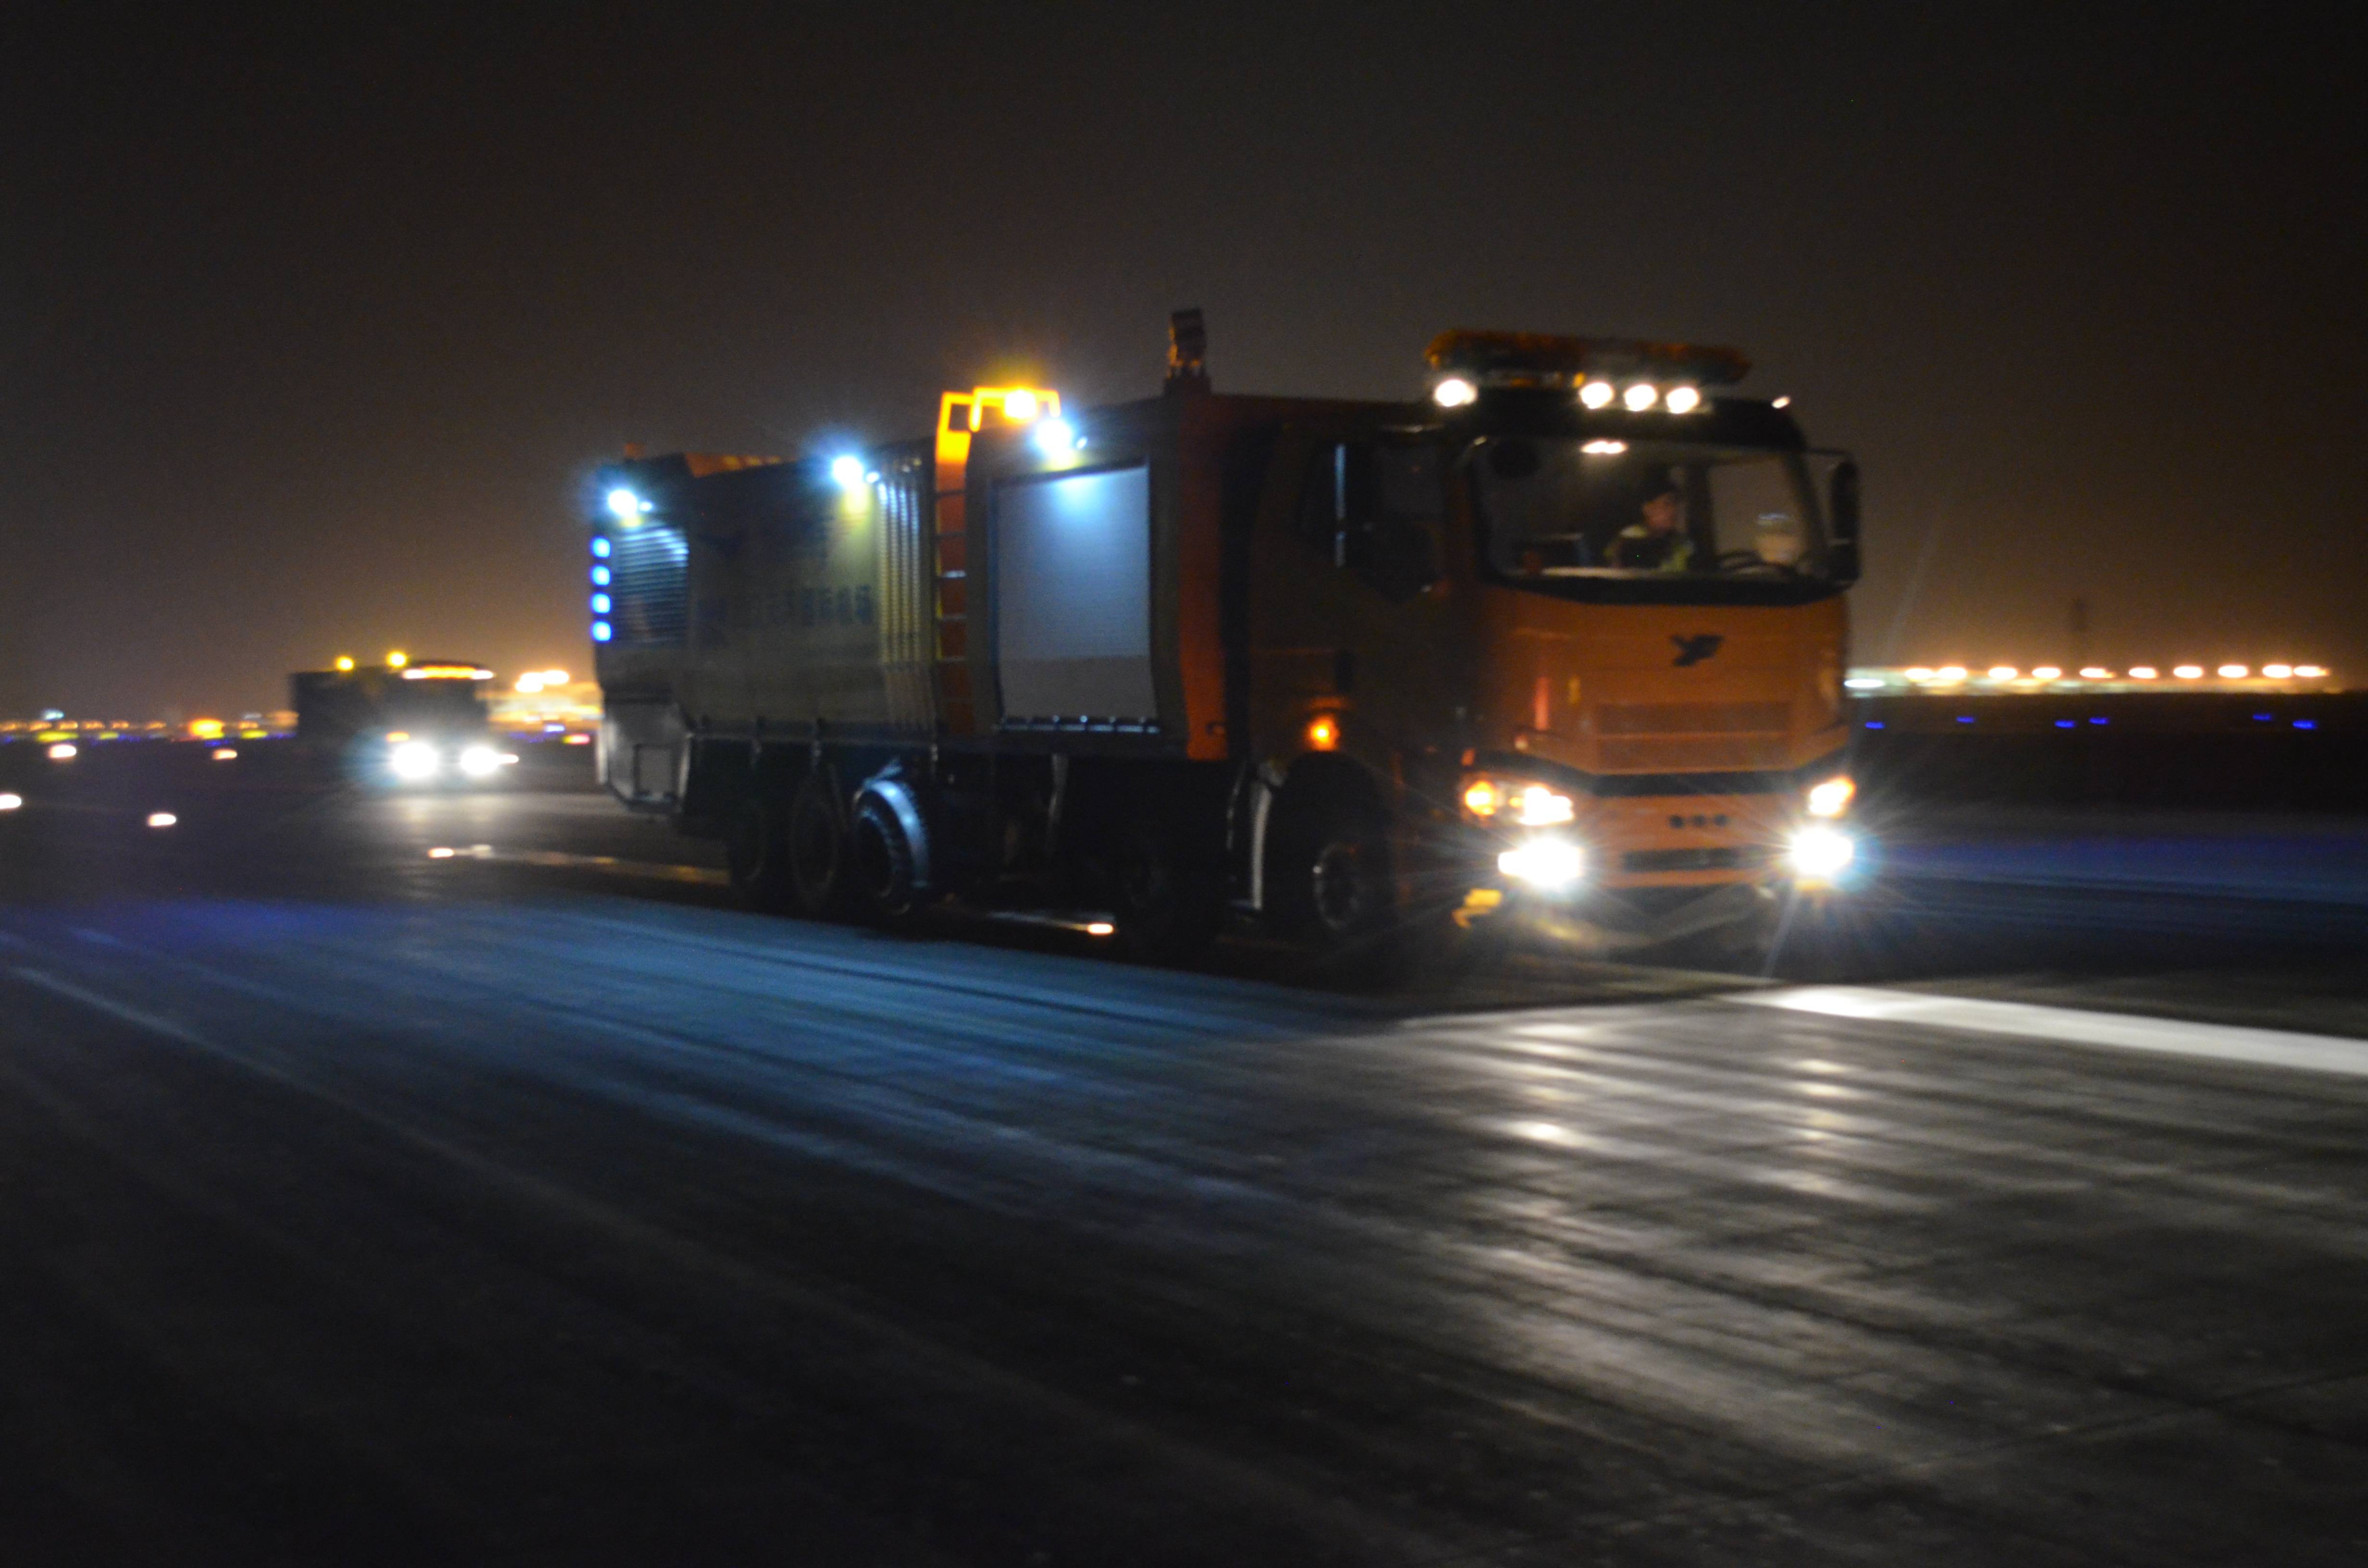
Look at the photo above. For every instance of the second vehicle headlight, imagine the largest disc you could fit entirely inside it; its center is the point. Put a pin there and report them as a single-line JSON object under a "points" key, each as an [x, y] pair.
{"points": [[478, 761], [413, 760]]}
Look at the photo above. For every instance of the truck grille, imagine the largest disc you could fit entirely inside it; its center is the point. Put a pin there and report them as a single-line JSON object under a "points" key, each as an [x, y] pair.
{"points": [[1692, 717], [647, 586], [1729, 858]]}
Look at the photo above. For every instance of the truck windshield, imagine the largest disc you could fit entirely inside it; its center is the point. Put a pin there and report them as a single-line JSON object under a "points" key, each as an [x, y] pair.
{"points": [[1599, 518]]}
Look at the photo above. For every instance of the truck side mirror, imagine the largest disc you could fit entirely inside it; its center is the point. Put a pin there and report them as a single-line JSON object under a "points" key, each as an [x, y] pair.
{"points": [[1841, 512]]}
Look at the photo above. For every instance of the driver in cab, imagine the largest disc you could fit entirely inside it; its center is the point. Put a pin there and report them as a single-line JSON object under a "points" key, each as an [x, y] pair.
{"points": [[1657, 541]]}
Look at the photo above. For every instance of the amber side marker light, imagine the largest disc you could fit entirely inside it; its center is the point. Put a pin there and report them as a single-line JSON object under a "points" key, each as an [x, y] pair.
{"points": [[1323, 732]]}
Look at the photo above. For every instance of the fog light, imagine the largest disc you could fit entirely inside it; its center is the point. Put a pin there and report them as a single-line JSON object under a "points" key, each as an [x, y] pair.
{"points": [[1821, 854], [1545, 862]]}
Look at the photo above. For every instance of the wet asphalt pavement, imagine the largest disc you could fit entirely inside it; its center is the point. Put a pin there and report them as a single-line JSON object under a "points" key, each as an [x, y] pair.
{"points": [[533, 1204]]}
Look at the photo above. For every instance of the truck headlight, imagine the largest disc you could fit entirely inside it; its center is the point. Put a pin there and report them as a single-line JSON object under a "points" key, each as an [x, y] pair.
{"points": [[413, 760], [1832, 798], [1550, 862], [1821, 854], [478, 761], [1531, 805]]}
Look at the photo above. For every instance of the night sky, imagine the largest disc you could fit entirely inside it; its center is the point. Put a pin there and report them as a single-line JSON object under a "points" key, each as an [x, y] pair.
{"points": [[314, 327]]}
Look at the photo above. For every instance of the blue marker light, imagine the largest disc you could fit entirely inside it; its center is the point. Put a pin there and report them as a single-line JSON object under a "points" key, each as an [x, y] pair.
{"points": [[1874, 723], [599, 604], [2263, 717], [2101, 721], [2306, 723], [2063, 723], [599, 632], [600, 577], [601, 546], [1964, 718]]}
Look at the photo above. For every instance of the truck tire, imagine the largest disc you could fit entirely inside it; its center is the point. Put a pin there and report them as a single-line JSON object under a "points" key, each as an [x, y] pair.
{"points": [[882, 866], [1332, 886], [1170, 903], [756, 853], [815, 843]]}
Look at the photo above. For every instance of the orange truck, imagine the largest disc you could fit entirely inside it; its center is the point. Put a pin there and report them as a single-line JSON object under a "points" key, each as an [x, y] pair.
{"points": [[1557, 650]]}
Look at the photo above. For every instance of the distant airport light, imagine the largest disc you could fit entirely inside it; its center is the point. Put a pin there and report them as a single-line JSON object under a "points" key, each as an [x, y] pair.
{"points": [[2003, 672], [2188, 672], [10, 802], [64, 751], [2234, 672], [2311, 672], [1604, 449], [162, 819], [1641, 396], [1951, 674], [1864, 682], [1780, 403], [1100, 928], [2046, 672], [439, 853], [1919, 673], [397, 659], [555, 677], [1453, 392], [2095, 671], [2143, 672], [1596, 394], [225, 754], [577, 741], [345, 662], [2277, 672]]}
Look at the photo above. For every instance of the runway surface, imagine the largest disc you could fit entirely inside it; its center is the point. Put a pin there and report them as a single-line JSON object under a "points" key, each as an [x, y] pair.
{"points": [[533, 1204]]}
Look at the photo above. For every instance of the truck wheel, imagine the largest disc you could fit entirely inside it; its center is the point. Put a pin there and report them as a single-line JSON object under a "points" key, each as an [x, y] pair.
{"points": [[1333, 887], [880, 864], [815, 849], [756, 854], [1170, 902]]}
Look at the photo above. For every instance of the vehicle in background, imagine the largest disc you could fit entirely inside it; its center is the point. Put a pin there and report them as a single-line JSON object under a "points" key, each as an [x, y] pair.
{"points": [[1560, 648], [407, 722]]}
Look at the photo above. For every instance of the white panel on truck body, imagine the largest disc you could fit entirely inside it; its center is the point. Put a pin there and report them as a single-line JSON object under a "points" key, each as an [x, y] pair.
{"points": [[1073, 596]]}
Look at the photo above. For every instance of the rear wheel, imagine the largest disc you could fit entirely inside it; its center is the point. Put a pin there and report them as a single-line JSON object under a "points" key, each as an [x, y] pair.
{"points": [[756, 853], [1169, 900], [882, 866], [815, 850], [1333, 887]]}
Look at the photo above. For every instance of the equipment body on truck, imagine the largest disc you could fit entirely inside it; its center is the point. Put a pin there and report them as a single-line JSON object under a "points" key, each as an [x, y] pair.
{"points": [[1559, 649]]}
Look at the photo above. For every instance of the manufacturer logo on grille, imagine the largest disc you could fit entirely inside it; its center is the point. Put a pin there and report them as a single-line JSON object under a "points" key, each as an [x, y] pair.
{"points": [[1695, 649]]}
